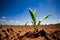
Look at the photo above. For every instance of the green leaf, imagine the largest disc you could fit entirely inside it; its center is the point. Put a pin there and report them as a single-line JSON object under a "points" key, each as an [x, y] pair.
{"points": [[26, 23], [32, 22], [45, 17], [39, 22], [31, 13], [42, 19], [34, 14]]}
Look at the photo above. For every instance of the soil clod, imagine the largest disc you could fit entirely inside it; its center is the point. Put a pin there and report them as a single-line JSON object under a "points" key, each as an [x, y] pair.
{"points": [[8, 30], [3, 30]]}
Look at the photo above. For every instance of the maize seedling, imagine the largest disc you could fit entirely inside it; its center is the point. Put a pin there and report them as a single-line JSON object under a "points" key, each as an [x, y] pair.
{"points": [[33, 16]]}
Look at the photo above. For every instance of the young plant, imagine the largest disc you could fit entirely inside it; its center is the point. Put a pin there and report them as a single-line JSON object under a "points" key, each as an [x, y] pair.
{"points": [[33, 16]]}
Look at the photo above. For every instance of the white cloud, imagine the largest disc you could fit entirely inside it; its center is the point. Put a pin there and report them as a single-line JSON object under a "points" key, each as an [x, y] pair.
{"points": [[3, 17], [17, 21], [10, 20]]}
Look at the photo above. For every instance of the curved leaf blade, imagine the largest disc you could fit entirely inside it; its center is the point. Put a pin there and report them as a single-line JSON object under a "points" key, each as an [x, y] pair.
{"points": [[34, 13], [31, 13], [39, 22], [42, 19], [26, 23], [45, 17]]}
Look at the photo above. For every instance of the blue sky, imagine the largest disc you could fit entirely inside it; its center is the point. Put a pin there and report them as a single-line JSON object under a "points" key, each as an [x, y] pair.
{"points": [[16, 11]]}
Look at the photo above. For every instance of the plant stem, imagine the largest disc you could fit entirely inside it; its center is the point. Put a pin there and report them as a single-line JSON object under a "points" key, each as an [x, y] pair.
{"points": [[35, 27]]}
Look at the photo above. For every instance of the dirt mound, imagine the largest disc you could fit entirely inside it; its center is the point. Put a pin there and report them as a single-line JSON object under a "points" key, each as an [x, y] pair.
{"points": [[56, 35], [42, 33], [27, 33]]}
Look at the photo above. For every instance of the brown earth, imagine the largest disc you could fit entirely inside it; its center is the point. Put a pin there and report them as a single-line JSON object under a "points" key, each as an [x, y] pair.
{"points": [[16, 32]]}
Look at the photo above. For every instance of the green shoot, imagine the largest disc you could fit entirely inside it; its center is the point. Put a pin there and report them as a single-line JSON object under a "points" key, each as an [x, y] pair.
{"points": [[33, 16]]}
